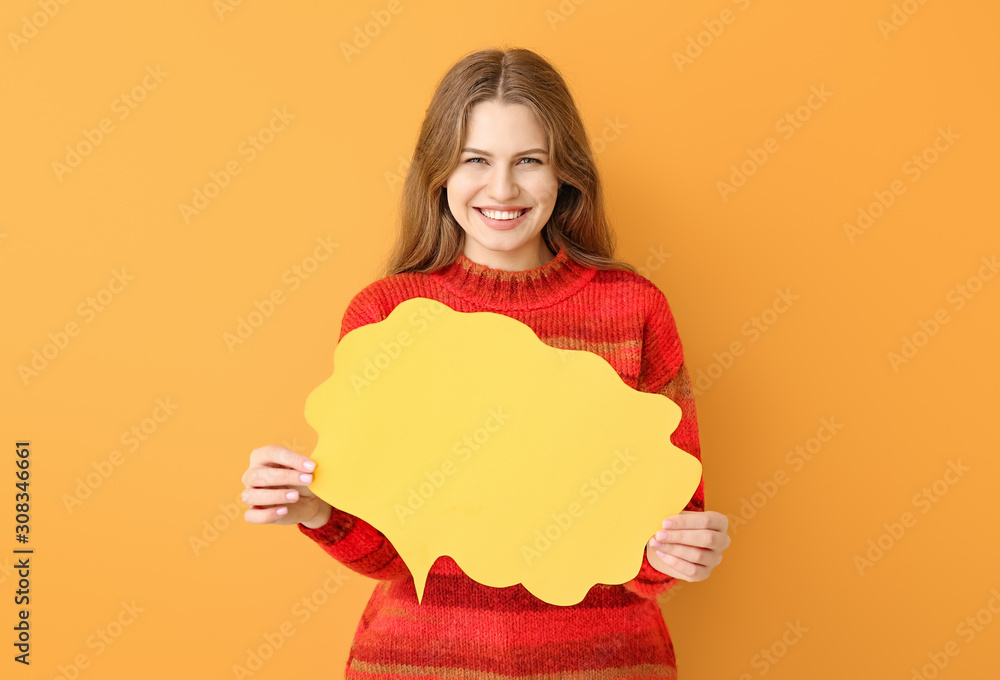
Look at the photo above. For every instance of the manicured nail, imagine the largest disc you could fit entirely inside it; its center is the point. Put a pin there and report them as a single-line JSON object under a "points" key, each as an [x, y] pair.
{"points": [[306, 478], [282, 510], [309, 465], [667, 524], [662, 535], [292, 495]]}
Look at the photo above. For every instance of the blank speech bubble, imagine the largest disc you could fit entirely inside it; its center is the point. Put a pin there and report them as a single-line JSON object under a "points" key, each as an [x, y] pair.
{"points": [[463, 434]]}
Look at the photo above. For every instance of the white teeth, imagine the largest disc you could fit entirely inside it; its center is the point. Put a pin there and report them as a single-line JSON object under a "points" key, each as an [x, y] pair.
{"points": [[497, 215]]}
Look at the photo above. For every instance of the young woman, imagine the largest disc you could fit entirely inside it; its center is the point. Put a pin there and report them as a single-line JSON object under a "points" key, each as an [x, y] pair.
{"points": [[502, 211]]}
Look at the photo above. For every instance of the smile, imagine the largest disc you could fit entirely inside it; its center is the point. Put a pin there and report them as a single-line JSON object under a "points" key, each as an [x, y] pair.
{"points": [[502, 214]]}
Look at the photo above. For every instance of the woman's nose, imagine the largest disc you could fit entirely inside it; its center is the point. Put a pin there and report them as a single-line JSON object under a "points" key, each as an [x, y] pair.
{"points": [[502, 185]]}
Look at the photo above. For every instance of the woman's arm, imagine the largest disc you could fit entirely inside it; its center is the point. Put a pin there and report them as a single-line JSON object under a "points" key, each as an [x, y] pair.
{"points": [[359, 546], [663, 371]]}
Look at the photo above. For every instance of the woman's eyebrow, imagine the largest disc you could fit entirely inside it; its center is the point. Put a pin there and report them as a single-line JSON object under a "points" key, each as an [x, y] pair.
{"points": [[487, 153]]}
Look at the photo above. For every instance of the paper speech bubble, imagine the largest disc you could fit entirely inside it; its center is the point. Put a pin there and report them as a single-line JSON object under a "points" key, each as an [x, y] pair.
{"points": [[463, 434]]}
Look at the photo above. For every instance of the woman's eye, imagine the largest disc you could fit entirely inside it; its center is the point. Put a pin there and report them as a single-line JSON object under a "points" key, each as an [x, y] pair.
{"points": [[478, 158]]}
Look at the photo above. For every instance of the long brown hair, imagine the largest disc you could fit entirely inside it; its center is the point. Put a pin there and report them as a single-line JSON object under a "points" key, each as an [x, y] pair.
{"points": [[428, 236]]}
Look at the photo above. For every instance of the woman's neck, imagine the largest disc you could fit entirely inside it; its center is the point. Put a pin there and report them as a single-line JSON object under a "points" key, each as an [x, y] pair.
{"points": [[523, 259], [505, 290]]}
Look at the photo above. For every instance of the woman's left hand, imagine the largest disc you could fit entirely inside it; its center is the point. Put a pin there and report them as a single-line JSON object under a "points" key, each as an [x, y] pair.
{"points": [[690, 544]]}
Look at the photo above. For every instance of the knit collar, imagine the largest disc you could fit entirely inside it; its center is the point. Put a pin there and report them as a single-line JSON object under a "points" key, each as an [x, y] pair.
{"points": [[544, 285]]}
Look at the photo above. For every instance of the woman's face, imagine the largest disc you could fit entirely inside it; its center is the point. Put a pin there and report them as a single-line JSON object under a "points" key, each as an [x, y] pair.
{"points": [[505, 167]]}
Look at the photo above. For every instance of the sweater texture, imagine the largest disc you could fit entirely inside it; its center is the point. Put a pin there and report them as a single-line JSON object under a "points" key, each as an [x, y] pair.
{"points": [[463, 629]]}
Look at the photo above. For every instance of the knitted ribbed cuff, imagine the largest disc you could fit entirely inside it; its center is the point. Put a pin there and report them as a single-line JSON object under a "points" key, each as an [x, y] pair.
{"points": [[335, 529]]}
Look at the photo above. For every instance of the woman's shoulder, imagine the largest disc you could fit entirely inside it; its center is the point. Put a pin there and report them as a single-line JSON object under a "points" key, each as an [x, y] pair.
{"points": [[633, 286], [376, 300]]}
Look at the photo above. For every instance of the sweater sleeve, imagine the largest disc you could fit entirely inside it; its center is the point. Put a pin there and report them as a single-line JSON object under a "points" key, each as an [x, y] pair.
{"points": [[663, 371], [349, 539]]}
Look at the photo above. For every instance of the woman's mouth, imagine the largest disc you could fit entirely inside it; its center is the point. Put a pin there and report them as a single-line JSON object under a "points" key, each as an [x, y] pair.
{"points": [[502, 219], [503, 214]]}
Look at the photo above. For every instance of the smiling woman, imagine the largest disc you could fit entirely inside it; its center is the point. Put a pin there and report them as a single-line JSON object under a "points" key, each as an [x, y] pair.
{"points": [[502, 197], [502, 211]]}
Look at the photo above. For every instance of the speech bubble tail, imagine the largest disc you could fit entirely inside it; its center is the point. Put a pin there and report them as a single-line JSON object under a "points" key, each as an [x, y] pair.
{"points": [[420, 582]]}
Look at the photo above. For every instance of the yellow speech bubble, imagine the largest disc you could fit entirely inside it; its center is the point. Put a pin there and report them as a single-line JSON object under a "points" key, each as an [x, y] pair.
{"points": [[463, 434]]}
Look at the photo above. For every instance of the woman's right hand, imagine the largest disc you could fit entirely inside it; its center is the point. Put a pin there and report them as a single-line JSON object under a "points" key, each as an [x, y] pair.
{"points": [[276, 489]]}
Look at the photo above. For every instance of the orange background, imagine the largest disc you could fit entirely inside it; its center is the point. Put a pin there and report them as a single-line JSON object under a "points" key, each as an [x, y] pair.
{"points": [[669, 133]]}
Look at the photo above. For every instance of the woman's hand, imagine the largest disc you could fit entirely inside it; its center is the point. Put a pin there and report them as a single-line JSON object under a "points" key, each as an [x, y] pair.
{"points": [[275, 489], [690, 544]]}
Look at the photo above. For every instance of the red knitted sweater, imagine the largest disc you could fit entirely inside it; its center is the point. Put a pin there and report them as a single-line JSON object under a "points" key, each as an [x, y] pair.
{"points": [[463, 629]]}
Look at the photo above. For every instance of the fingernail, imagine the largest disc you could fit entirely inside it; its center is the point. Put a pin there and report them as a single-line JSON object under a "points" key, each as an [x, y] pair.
{"points": [[653, 542], [662, 535], [292, 495], [309, 465], [667, 524], [306, 478], [662, 555], [282, 511]]}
